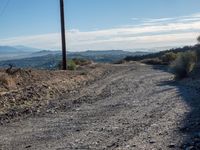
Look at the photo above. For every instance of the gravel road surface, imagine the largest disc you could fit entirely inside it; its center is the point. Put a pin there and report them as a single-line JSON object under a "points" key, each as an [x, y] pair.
{"points": [[134, 107]]}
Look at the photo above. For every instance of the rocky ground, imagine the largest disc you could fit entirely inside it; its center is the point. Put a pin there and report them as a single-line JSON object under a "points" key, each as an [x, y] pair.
{"points": [[122, 107]]}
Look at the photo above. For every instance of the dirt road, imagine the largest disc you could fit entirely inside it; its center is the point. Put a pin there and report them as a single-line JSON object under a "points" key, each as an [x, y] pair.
{"points": [[134, 107]]}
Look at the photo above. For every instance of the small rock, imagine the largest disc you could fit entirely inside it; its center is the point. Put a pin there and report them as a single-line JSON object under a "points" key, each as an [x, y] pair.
{"points": [[51, 111], [28, 146], [190, 148], [78, 130], [133, 145], [172, 146], [152, 142]]}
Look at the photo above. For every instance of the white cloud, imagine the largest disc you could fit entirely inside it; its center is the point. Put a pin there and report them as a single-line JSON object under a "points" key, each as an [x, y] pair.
{"points": [[152, 33]]}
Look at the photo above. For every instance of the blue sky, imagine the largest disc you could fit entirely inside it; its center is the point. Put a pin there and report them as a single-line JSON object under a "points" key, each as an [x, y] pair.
{"points": [[100, 24]]}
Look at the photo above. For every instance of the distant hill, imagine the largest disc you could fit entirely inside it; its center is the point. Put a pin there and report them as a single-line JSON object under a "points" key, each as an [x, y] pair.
{"points": [[50, 59], [111, 52], [15, 52], [106, 56], [16, 49], [27, 49], [9, 50], [44, 52]]}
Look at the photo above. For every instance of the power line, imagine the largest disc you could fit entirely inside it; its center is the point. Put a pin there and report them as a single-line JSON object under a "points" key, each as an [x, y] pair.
{"points": [[4, 9]]}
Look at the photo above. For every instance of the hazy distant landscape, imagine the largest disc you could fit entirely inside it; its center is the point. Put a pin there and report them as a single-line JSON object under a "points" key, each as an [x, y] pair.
{"points": [[23, 57]]}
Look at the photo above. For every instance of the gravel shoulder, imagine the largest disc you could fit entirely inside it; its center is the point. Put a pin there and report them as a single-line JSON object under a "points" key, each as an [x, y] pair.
{"points": [[133, 106]]}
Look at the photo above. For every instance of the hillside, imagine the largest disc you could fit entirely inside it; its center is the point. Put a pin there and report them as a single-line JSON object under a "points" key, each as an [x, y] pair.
{"points": [[162, 53]]}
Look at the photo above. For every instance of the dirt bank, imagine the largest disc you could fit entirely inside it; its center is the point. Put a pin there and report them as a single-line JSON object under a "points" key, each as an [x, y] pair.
{"points": [[26, 92]]}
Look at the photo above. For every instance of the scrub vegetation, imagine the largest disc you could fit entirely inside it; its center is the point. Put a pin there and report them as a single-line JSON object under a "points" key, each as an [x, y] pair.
{"points": [[181, 61]]}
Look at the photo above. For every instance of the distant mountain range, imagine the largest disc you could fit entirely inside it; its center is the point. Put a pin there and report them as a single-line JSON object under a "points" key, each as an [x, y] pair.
{"points": [[16, 52], [16, 49], [23, 57]]}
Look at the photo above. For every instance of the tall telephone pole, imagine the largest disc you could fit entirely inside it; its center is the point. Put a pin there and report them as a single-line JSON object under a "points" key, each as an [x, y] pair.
{"points": [[62, 17]]}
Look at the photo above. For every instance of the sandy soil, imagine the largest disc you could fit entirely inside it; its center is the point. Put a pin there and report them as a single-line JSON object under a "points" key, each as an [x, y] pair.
{"points": [[132, 106]]}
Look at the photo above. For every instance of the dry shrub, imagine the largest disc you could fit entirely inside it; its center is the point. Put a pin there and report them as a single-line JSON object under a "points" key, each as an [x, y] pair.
{"points": [[184, 64], [169, 57], [153, 61], [82, 62], [7, 82]]}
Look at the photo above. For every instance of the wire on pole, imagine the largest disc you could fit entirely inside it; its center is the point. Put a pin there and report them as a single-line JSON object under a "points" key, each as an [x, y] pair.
{"points": [[4, 9]]}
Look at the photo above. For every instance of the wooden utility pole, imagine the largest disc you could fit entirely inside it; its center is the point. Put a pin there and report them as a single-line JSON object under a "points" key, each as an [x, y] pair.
{"points": [[62, 17]]}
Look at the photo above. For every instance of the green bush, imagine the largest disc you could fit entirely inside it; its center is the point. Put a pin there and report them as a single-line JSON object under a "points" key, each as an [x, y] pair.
{"points": [[71, 65], [184, 64], [169, 57]]}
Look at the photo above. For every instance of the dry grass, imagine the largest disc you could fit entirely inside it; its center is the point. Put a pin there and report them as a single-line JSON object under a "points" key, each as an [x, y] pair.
{"points": [[7, 82]]}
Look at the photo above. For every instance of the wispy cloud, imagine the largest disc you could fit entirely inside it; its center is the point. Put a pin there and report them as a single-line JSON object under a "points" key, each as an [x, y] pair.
{"points": [[158, 20], [135, 18], [155, 21], [149, 33]]}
